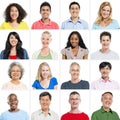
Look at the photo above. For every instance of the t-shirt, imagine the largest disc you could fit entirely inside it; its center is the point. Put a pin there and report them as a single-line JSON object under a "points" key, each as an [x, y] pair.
{"points": [[44, 57], [82, 84], [53, 83]]}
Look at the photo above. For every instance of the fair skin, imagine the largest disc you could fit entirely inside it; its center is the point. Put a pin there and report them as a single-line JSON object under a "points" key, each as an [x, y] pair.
{"points": [[13, 42], [74, 40], [13, 103], [46, 40], [105, 73], [74, 101], [45, 74], [45, 103], [14, 13], [75, 73], [15, 74], [45, 13], [107, 100], [74, 11], [105, 13], [105, 42]]}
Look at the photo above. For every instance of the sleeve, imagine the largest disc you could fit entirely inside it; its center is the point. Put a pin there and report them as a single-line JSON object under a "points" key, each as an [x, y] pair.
{"points": [[25, 26], [87, 85], [1, 54], [94, 26], [54, 81], [116, 24], [63, 86], [86, 52], [63, 51], [93, 117], [26, 54], [63, 25], [34, 85]]}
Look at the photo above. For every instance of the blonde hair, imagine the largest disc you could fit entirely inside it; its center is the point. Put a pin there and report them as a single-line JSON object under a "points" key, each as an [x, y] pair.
{"points": [[74, 63], [39, 72], [47, 32], [99, 18]]}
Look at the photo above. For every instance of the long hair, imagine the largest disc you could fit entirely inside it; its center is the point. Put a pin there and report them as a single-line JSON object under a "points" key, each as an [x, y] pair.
{"points": [[99, 18], [81, 42], [22, 12], [19, 49], [39, 72]]}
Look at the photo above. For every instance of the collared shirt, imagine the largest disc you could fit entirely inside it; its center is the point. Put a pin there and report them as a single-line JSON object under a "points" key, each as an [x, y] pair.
{"points": [[69, 24], [101, 114], [39, 115], [101, 84], [41, 25]]}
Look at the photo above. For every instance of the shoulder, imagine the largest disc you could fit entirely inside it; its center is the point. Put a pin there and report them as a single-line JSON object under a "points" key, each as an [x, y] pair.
{"points": [[83, 21], [114, 21], [84, 81], [35, 54], [64, 116]]}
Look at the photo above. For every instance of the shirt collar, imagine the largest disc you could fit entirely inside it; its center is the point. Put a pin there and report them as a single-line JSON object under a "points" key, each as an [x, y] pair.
{"points": [[41, 112], [79, 20], [103, 111], [102, 80], [44, 23]]}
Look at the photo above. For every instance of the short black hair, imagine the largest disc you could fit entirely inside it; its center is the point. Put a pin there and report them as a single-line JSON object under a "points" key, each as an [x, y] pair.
{"points": [[104, 64], [45, 94], [105, 33], [107, 93], [72, 3], [45, 4]]}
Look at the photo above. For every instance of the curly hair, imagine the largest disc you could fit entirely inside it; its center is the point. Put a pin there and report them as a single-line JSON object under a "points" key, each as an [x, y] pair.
{"points": [[22, 12], [8, 46]]}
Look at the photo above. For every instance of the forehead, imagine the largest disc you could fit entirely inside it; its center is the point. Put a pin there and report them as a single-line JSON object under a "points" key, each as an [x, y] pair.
{"points": [[74, 96], [107, 95], [106, 7], [105, 37], [75, 66], [16, 67], [45, 97], [74, 6], [45, 7], [13, 7], [12, 97], [106, 67], [46, 35]]}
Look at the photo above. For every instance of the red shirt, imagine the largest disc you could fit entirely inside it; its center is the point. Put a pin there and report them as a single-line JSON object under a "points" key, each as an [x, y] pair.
{"points": [[40, 25], [13, 57], [75, 116]]}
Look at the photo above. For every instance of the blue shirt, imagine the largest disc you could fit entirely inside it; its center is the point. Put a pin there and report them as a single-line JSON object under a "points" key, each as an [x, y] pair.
{"points": [[69, 24], [113, 25], [20, 115], [53, 82]]}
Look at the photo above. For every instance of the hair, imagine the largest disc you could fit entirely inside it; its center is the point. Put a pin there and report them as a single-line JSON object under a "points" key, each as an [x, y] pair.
{"points": [[74, 93], [8, 98], [107, 93], [45, 94], [8, 46], [104, 64], [45, 4], [39, 72], [22, 12], [72, 3], [105, 33], [15, 64], [81, 42], [47, 32], [74, 63], [99, 18]]}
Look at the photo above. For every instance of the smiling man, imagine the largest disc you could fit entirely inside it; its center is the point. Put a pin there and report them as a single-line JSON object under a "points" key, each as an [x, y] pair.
{"points": [[105, 83], [105, 112]]}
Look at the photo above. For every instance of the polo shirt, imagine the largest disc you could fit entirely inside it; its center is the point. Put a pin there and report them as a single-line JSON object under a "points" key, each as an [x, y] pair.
{"points": [[101, 114]]}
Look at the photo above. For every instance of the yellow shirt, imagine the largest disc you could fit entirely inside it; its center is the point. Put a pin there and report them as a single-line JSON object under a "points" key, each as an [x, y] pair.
{"points": [[6, 26]]}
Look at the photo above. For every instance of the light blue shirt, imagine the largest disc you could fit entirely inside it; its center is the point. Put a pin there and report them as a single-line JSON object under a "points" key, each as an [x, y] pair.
{"points": [[69, 24], [113, 25], [20, 115]]}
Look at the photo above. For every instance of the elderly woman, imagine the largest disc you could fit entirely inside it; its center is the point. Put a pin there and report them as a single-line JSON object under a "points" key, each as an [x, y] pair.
{"points": [[15, 72]]}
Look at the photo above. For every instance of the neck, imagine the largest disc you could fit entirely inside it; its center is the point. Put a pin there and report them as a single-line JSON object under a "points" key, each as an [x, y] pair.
{"points": [[46, 111], [15, 110], [75, 110], [75, 80], [106, 109], [45, 20], [15, 81], [74, 19], [13, 51], [105, 78], [105, 50]]}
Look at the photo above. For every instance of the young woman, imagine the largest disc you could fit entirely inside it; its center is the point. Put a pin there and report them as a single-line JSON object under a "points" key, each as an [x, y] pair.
{"points": [[75, 48], [44, 79], [104, 20], [13, 48], [14, 14]]}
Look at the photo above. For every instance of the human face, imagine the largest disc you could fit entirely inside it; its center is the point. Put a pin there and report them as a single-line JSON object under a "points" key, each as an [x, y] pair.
{"points": [[45, 12], [14, 13], [46, 39], [105, 12], [105, 72], [45, 72], [15, 72], [45, 102], [105, 42], [74, 11], [74, 101], [107, 100], [75, 72], [13, 102], [13, 41], [74, 40]]}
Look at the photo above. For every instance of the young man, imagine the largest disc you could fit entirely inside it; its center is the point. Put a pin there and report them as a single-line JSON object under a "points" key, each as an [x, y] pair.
{"points": [[45, 22], [105, 83], [14, 113], [74, 22], [105, 112], [105, 52], [74, 113], [44, 113]]}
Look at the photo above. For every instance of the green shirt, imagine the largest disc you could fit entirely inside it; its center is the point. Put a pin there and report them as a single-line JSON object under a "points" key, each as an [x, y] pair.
{"points": [[44, 57], [101, 114]]}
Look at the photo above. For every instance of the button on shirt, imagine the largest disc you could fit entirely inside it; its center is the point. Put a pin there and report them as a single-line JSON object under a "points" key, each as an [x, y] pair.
{"points": [[69, 24], [105, 85], [101, 114], [39, 115]]}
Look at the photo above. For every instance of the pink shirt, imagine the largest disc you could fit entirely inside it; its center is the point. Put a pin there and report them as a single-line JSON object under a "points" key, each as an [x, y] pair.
{"points": [[100, 84], [40, 25]]}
